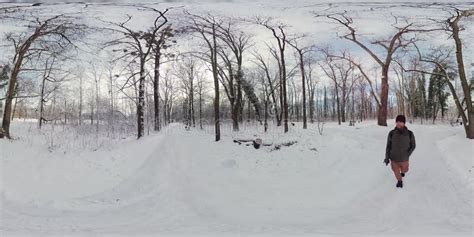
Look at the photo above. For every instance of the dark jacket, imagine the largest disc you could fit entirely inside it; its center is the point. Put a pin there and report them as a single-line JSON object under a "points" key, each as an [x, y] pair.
{"points": [[400, 145]]}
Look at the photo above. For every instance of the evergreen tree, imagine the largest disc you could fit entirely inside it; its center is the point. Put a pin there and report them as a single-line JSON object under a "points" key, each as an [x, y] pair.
{"points": [[437, 93], [420, 97]]}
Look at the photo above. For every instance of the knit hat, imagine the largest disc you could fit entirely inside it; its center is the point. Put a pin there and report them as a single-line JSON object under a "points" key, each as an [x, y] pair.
{"points": [[400, 118]]}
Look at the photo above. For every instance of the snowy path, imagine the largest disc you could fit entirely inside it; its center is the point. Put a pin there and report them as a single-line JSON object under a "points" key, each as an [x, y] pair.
{"points": [[191, 185]]}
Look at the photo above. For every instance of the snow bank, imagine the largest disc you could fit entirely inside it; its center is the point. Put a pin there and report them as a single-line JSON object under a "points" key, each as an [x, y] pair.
{"points": [[75, 165], [182, 183]]}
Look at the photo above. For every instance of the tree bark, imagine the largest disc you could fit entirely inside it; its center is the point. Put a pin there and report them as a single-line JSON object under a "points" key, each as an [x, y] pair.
{"points": [[382, 110], [216, 84], [7, 114], [141, 99], [303, 80], [80, 100], [338, 109], [41, 117], [469, 124], [156, 91]]}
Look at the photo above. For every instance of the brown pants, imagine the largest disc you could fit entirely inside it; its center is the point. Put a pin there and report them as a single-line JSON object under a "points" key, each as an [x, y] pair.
{"points": [[399, 167]]}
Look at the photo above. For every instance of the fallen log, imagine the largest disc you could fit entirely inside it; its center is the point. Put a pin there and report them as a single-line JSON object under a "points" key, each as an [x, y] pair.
{"points": [[257, 143]]}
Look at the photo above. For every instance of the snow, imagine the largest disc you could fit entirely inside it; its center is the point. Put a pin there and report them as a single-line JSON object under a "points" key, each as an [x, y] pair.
{"points": [[73, 165], [182, 183]]}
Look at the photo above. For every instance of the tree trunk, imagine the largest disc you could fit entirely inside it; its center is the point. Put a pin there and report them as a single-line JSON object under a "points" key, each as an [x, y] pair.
{"points": [[92, 113], [325, 104], [311, 106], [285, 94], [80, 100], [248, 109], [382, 109], [53, 108], [470, 126], [191, 117], [22, 50], [65, 111], [141, 100], [97, 105], [265, 123], [9, 97], [200, 107], [112, 105], [237, 105], [337, 104], [156, 91], [165, 109], [41, 117], [170, 109], [467, 89], [343, 104], [216, 84], [192, 106], [303, 80], [14, 107], [235, 117], [353, 105], [282, 105], [275, 105]]}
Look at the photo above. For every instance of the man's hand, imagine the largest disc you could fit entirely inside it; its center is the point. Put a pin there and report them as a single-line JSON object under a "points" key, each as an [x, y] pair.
{"points": [[386, 161]]}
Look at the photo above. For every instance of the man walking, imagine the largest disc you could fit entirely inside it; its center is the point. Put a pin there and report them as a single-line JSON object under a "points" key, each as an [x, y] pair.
{"points": [[400, 145]]}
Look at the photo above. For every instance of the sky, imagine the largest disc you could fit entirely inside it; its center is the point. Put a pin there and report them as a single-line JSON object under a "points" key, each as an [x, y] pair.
{"points": [[371, 18]]}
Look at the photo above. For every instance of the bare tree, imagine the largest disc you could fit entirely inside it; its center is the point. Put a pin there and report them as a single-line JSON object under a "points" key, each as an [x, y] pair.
{"points": [[341, 72], [390, 46], [346, 83], [58, 30], [330, 68], [80, 97], [111, 88], [261, 74], [272, 82], [4, 73], [231, 81], [138, 45], [54, 76], [206, 27], [301, 51], [186, 71], [454, 28], [400, 92], [312, 82], [440, 59], [231, 74], [280, 35], [164, 40], [46, 77], [168, 96], [357, 67], [97, 76], [201, 91]]}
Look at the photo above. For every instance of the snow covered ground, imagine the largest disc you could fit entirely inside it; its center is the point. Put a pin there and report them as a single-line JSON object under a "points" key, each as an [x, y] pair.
{"points": [[182, 183]]}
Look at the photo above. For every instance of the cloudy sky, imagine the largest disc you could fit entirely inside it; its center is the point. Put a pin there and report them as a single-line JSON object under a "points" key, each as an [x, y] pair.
{"points": [[373, 19]]}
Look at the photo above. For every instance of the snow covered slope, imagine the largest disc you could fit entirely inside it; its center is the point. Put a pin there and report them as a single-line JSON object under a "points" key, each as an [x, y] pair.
{"points": [[182, 183]]}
